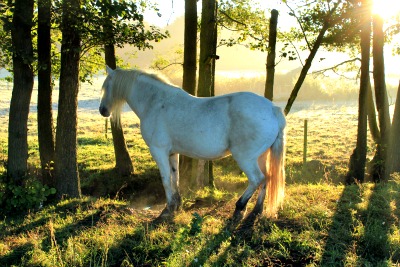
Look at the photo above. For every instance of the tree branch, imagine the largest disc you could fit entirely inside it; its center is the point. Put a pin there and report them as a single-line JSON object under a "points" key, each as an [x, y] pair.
{"points": [[158, 67], [301, 26], [232, 19], [336, 66]]}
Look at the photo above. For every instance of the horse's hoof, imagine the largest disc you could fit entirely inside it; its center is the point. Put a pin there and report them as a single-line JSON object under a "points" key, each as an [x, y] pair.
{"points": [[238, 215], [176, 202], [252, 217], [166, 213], [256, 211]]}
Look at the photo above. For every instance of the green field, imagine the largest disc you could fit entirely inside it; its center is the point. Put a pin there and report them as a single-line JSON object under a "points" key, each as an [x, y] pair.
{"points": [[322, 222]]}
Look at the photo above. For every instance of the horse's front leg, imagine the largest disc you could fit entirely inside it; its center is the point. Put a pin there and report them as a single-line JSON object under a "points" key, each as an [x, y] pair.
{"points": [[176, 197], [163, 162]]}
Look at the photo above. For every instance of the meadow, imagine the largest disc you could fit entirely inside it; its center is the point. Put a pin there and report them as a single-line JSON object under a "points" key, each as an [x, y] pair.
{"points": [[322, 222]]}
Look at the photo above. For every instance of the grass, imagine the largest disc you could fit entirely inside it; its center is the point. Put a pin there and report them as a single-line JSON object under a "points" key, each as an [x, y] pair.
{"points": [[322, 222], [319, 225]]}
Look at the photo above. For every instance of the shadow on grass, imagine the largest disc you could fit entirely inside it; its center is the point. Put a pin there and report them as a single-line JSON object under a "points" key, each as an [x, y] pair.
{"points": [[374, 246], [214, 244], [395, 196], [145, 188], [68, 207], [340, 237], [71, 230], [18, 254], [138, 250], [358, 232]]}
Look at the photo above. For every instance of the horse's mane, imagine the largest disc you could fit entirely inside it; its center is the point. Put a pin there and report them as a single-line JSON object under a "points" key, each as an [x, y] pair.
{"points": [[123, 79], [122, 84]]}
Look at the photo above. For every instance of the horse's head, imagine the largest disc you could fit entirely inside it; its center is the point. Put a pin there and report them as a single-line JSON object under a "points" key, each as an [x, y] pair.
{"points": [[107, 101]]}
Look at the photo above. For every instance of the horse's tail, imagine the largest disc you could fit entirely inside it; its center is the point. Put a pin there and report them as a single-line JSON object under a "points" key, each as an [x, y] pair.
{"points": [[275, 172]]}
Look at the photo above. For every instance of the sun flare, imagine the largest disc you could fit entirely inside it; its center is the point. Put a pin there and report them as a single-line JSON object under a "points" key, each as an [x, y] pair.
{"points": [[386, 8]]}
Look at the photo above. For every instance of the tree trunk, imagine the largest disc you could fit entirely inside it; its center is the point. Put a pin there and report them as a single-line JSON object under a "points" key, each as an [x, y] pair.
{"points": [[190, 47], [189, 69], [211, 182], [269, 83], [45, 113], [382, 104], [207, 48], [357, 160], [373, 125], [208, 55], [394, 146], [22, 90], [123, 162], [66, 167], [309, 60]]}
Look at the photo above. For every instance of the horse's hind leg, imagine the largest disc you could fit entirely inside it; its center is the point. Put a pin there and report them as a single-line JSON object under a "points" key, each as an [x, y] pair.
{"points": [[255, 177], [262, 163], [176, 197]]}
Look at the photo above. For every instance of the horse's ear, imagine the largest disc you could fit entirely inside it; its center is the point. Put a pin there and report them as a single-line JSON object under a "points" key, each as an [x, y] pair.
{"points": [[109, 70]]}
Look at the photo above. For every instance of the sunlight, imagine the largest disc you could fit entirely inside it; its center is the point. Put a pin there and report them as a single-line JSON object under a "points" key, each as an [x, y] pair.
{"points": [[386, 8]]}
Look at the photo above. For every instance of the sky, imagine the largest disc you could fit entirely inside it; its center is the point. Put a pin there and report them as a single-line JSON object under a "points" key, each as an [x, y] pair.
{"points": [[172, 9]]}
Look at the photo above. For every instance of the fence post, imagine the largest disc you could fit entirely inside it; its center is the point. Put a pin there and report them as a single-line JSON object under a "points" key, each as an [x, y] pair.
{"points": [[305, 143]]}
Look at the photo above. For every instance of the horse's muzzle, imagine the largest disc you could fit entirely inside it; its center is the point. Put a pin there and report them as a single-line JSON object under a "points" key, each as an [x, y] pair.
{"points": [[104, 111]]}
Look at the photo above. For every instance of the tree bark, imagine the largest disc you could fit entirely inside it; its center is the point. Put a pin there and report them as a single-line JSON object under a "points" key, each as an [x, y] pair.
{"points": [[190, 47], [394, 146], [123, 162], [46, 132], [66, 167], [269, 83], [373, 125], [189, 70], [22, 90], [382, 103], [357, 160], [208, 48]]}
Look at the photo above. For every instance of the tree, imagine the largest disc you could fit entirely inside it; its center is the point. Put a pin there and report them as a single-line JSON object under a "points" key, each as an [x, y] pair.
{"points": [[357, 160], [190, 47], [342, 38], [5, 29], [394, 146], [123, 162], [120, 23], [83, 31], [380, 160], [208, 48], [269, 84], [46, 132], [189, 70], [66, 168], [22, 58], [249, 24], [327, 23], [247, 21]]}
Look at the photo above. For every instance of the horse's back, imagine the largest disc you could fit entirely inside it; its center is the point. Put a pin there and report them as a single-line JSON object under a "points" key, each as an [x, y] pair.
{"points": [[211, 127], [254, 123]]}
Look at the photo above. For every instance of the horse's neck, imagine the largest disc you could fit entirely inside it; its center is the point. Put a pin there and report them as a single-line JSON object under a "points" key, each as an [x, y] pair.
{"points": [[144, 94]]}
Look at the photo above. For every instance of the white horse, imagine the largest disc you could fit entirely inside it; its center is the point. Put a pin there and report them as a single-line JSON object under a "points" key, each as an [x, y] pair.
{"points": [[173, 122]]}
